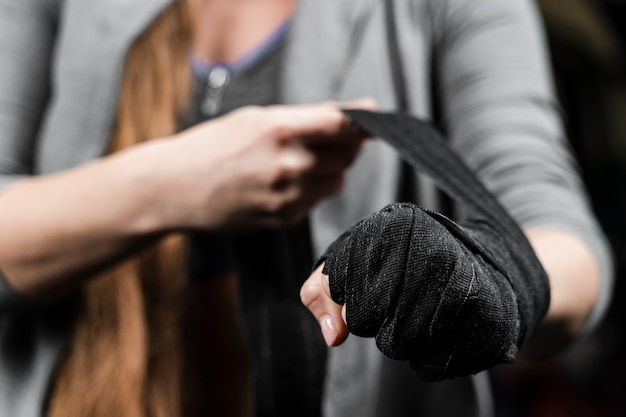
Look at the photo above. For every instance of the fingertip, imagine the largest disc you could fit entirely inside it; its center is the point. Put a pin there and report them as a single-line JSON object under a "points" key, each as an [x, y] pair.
{"points": [[329, 331], [334, 333]]}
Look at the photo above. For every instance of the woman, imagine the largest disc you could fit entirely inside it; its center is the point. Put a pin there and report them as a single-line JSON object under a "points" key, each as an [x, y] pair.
{"points": [[66, 60]]}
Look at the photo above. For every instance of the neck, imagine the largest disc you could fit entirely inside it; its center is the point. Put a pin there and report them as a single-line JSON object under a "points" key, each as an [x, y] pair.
{"points": [[228, 29]]}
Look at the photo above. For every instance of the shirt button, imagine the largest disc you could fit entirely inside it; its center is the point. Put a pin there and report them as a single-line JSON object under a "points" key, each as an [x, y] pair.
{"points": [[216, 82], [218, 77]]}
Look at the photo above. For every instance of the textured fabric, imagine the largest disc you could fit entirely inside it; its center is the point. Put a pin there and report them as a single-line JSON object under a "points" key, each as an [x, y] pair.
{"points": [[423, 294], [454, 300], [288, 349]]}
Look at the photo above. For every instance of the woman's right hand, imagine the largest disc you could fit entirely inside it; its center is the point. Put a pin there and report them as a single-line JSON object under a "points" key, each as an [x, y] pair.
{"points": [[256, 167]]}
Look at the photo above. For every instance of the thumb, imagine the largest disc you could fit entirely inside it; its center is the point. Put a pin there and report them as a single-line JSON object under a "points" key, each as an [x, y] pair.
{"points": [[315, 295]]}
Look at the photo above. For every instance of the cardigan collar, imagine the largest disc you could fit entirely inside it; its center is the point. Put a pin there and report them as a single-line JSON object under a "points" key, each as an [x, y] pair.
{"points": [[329, 29]]}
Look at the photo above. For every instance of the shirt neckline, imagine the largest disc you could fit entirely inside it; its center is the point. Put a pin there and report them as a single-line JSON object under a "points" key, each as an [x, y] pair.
{"points": [[202, 69]]}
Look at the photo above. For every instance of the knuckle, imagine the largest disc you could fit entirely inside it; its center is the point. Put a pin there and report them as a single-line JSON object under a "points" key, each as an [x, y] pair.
{"points": [[276, 129], [277, 177], [297, 168], [275, 205], [290, 166], [285, 207], [310, 292]]}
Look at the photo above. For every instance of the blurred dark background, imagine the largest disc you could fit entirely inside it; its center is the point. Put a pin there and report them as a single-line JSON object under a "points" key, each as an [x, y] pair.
{"points": [[586, 40]]}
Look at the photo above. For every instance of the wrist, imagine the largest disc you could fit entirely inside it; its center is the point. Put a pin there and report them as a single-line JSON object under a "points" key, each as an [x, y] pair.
{"points": [[148, 186], [172, 185]]}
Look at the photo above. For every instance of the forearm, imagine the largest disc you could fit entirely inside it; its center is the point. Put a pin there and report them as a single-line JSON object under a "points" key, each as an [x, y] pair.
{"points": [[215, 176], [515, 143], [574, 277], [60, 227]]}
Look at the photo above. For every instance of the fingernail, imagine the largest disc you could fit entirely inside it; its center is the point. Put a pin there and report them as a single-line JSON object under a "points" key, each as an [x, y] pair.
{"points": [[328, 330]]}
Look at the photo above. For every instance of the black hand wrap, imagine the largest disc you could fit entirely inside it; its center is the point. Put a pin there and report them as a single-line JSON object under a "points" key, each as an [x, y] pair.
{"points": [[452, 299]]}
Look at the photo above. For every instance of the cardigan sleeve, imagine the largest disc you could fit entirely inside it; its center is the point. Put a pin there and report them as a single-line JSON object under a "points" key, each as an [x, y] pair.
{"points": [[499, 106], [27, 35]]}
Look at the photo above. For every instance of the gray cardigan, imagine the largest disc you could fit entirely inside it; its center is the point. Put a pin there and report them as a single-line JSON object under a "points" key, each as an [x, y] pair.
{"points": [[60, 66]]}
